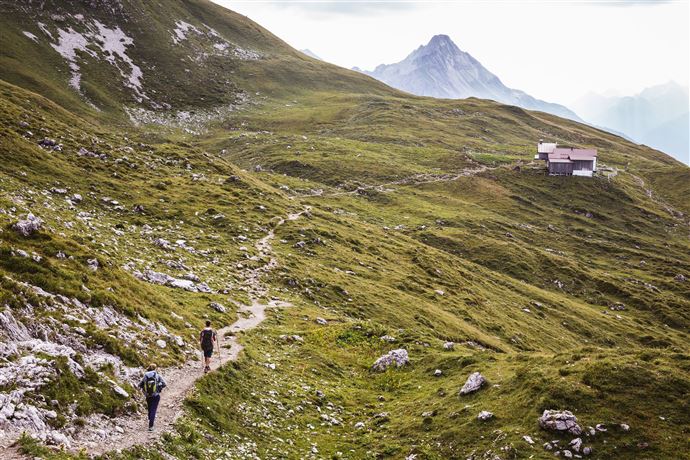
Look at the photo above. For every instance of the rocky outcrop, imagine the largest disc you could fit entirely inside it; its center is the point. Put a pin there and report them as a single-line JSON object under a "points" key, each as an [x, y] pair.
{"points": [[397, 358], [164, 279], [217, 307], [560, 421], [28, 226], [28, 349]]}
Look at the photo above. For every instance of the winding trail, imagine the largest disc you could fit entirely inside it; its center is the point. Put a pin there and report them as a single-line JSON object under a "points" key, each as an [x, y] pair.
{"points": [[416, 179], [128, 431]]}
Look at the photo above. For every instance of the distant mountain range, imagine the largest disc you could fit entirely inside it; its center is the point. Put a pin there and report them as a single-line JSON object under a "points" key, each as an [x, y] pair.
{"points": [[441, 69], [657, 117], [310, 53]]}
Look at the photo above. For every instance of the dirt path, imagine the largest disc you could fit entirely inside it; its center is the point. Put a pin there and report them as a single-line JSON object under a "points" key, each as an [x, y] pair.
{"points": [[416, 179], [640, 182], [122, 433]]}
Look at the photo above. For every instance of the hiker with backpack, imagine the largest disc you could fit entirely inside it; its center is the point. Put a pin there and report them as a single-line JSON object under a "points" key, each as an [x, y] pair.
{"points": [[207, 340], [151, 385]]}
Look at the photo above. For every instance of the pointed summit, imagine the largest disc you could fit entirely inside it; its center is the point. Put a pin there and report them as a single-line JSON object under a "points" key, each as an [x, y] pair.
{"points": [[439, 41], [441, 69]]}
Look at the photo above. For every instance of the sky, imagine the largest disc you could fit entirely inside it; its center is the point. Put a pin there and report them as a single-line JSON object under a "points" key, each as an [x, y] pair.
{"points": [[554, 50]]}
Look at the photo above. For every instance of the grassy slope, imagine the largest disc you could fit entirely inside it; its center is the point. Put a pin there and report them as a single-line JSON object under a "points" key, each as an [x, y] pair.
{"points": [[315, 127]]}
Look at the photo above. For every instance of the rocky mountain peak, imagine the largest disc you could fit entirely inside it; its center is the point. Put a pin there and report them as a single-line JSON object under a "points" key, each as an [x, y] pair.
{"points": [[441, 41], [441, 69]]}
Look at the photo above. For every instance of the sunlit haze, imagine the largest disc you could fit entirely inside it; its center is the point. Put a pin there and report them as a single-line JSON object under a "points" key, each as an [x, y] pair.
{"points": [[556, 51]]}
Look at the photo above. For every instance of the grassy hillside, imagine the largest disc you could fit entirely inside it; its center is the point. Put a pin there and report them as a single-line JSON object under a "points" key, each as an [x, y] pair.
{"points": [[205, 57], [430, 223]]}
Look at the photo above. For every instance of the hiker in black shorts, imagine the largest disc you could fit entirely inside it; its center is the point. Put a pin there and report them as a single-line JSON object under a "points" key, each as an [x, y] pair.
{"points": [[207, 340]]}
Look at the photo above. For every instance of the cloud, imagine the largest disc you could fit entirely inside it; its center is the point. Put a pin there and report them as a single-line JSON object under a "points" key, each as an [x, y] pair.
{"points": [[333, 7], [322, 8], [628, 3]]}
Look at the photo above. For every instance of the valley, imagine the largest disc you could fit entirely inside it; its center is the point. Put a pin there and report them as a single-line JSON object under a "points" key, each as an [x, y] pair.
{"points": [[368, 219]]}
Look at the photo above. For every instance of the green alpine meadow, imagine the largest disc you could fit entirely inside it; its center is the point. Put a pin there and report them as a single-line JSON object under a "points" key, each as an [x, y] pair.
{"points": [[390, 276]]}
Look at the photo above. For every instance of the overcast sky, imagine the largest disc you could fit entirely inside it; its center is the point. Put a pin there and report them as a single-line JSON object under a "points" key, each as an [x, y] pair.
{"points": [[554, 50]]}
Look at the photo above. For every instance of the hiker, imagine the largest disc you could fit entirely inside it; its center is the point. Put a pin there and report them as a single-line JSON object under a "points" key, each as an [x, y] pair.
{"points": [[207, 340], [152, 384]]}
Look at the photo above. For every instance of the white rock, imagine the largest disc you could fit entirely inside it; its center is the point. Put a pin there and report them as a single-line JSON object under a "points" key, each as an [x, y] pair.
{"points": [[161, 343], [57, 439], [93, 264], [28, 226], [395, 358], [485, 415], [217, 307], [474, 382], [563, 421], [121, 391], [576, 444]]}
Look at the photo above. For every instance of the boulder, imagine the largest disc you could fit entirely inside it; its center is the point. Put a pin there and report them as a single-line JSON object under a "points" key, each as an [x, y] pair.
{"points": [[56, 438], [28, 226], [162, 243], [217, 307], [485, 415], [183, 284], [560, 421], [161, 343], [120, 391], [93, 264], [474, 382], [680, 278], [203, 287], [449, 346], [576, 444], [397, 358], [12, 329]]}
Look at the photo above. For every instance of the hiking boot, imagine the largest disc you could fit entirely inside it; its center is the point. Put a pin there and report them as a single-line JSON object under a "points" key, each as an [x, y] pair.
{"points": [[150, 428]]}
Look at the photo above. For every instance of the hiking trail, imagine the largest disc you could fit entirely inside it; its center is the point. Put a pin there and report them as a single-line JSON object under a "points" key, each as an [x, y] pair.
{"points": [[122, 433]]}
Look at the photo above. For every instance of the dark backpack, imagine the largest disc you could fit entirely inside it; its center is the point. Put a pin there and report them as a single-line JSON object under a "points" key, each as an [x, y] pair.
{"points": [[151, 384], [207, 339]]}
